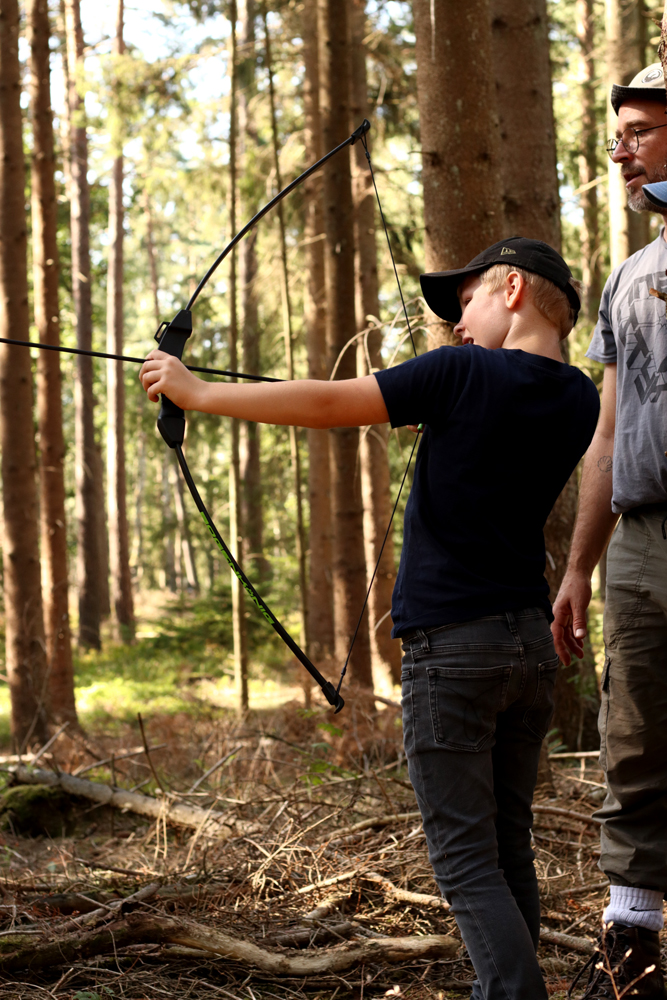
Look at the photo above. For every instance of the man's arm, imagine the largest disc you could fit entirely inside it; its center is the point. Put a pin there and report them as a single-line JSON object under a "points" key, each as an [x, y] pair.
{"points": [[353, 402], [595, 523]]}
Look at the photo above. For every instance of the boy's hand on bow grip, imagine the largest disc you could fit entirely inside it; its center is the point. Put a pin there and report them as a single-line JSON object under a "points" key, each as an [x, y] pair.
{"points": [[163, 374]]}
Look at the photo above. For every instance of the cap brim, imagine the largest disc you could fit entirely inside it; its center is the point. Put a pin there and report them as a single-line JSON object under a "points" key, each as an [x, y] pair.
{"points": [[619, 95], [656, 193], [440, 289]]}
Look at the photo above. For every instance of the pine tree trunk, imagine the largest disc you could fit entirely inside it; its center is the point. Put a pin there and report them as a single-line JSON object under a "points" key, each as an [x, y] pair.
{"points": [[295, 455], [89, 557], [119, 546], [520, 37], [185, 547], [626, 44], [25, 655], [463, 207], [588, 167], [349, 569], [235, 526], [60, 687], [375, 480], [251, 478], [320, 593]]}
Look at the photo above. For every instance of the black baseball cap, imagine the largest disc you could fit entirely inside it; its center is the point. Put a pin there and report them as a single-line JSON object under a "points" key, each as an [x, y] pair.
{"points": [[440, 287]]}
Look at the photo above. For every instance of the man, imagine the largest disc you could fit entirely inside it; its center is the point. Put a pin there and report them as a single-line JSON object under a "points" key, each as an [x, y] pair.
{"points": [[625, 476]]}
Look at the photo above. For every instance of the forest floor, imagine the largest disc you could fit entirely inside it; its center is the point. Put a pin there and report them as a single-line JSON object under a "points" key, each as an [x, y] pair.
{"points": [[322, 854]]}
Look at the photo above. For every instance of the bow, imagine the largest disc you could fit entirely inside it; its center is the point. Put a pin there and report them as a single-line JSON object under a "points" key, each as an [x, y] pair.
{"points": [[171, 338]]}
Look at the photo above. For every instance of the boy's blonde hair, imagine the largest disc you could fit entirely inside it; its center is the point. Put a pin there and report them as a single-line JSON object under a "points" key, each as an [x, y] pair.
{"points": [[548, 299]]}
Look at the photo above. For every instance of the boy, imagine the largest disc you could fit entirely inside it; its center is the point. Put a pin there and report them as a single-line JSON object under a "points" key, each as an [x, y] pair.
{"points": [[505, 424]]}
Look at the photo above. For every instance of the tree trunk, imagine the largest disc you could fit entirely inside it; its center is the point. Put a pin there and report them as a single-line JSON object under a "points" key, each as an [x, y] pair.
{"points": [[185, 548], [252, 513], [375, 480], [463, 206], [320, 592], [88, 531], [349, 569], [576, 695], [626, 44], [25, 655], [60, 686], [520, 37], [289, 361], [119, 547], [235, 527], [588, 166]]}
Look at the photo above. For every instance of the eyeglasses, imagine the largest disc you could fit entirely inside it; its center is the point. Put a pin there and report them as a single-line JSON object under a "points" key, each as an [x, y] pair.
{"points": [[630, 139]]}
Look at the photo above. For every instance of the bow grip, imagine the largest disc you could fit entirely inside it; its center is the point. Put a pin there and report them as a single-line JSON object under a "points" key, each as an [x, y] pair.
{"points": [[171, 339]]}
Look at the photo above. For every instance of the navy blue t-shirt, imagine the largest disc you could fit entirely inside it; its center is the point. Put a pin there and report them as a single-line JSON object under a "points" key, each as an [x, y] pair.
{"points": [[503, 432]]}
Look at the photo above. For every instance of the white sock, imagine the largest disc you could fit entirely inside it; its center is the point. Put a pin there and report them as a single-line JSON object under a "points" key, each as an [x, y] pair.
{"points": [[635, 907]]}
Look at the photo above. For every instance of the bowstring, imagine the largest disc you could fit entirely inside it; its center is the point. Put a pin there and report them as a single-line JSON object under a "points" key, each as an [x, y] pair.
{"points": [[416, 441]]}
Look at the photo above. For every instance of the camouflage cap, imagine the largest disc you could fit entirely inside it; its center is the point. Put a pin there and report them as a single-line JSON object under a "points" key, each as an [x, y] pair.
{"points": [[648, 85]]}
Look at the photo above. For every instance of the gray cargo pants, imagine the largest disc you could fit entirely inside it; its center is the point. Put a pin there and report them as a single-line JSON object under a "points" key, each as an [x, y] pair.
{"points": [[633, 712]]}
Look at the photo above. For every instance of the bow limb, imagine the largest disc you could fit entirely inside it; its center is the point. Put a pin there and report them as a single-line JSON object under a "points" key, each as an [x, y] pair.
{"points": [[358, 133]]}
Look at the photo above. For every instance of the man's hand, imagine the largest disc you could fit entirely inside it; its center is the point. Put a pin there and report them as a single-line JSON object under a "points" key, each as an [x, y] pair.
{"points": [[163, 373], [569, 625]]}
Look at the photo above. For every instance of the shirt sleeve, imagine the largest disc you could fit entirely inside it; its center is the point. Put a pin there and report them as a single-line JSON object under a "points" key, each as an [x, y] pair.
{"points": [[424, 390], [603, 344]]}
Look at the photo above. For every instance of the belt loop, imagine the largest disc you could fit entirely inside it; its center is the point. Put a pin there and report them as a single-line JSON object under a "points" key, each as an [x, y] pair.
{"points": [[425, 645], [511, 621]]}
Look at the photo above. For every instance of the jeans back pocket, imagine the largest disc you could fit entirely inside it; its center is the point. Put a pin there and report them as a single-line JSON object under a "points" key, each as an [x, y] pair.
{"points": [[540, 713], [464, 703]]}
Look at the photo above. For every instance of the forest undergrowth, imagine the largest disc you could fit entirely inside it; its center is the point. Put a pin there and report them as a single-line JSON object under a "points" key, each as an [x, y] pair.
{"points": [[323, 852]]}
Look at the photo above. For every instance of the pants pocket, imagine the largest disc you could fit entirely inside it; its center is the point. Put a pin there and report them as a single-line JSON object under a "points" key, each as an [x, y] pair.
{"points": [[540, 713], [604, 712], [464, 703]]}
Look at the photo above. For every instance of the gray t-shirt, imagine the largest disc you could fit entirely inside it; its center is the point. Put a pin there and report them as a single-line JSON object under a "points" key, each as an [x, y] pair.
{"points": [[632, 331]]}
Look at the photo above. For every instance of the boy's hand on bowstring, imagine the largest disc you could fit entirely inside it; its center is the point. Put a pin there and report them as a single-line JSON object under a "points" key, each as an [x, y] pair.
{"points": [[164, 374]]}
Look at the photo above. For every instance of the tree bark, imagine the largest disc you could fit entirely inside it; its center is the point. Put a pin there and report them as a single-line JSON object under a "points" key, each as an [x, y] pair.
{"points": [[520, 37], [588, 167], [119, 547], [375, 479], [295, 455], [349, 570], [60, 686], [463, 204], [25, 654], [235, 526], [320, 592], [252, 512], [626, 45], [88, 531]]}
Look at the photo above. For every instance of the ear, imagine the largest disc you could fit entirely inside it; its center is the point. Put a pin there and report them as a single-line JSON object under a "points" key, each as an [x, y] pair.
{"points": [[515, 290]]}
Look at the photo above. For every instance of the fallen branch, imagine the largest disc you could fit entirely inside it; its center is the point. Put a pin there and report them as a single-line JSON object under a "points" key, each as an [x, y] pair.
{"points": [[582, 945], [213, 823], [141, 929], [558, 811], [377, 821], [404, 895]]}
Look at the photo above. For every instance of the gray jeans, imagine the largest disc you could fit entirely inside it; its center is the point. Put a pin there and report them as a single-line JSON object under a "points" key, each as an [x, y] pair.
{"points": [[477, 702], [633, 712]]}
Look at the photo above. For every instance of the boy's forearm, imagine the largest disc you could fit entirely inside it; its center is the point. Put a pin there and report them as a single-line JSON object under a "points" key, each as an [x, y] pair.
{"points": [[304, 403]]}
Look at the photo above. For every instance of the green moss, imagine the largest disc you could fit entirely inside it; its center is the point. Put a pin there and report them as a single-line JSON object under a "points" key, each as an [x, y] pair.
{"points": [[35, 810]]}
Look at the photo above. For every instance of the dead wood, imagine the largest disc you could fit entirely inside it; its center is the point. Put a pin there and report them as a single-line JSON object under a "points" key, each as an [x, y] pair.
{"points": [[117, 905], [140, 929], [404, 895], [377, 821], [210, 823], [583, 945], [558, 811]]}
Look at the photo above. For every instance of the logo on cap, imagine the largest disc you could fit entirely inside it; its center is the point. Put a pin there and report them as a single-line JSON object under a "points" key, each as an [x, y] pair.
{"points": [[506, 250], [654, 74]]}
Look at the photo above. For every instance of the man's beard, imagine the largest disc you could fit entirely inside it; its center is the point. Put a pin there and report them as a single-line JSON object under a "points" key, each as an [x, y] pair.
{"points": [[638, 202]]}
